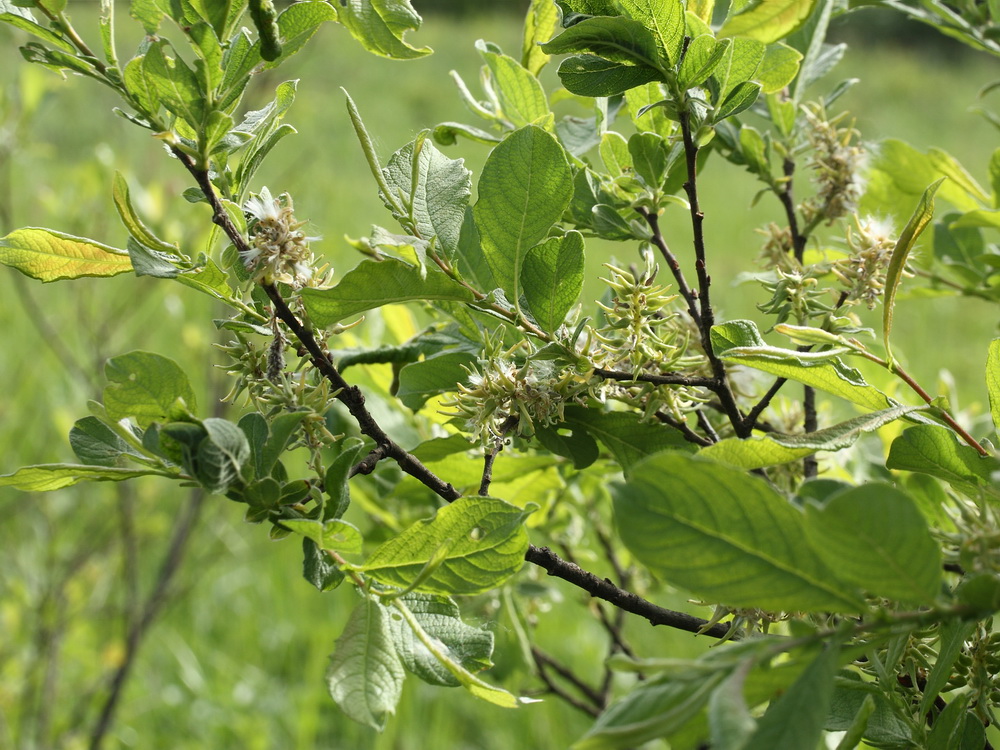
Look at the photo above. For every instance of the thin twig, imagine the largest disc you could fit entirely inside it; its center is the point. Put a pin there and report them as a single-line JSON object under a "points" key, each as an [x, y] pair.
{"points": [[686, 432], [545, 662], [667, 378]]}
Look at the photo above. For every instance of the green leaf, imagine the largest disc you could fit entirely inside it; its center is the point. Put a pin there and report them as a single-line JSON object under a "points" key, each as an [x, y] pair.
{"points": [[703, 56], [539, 26], [740, 98], [318, 568], [650, 158], [993, 382], [576, 445], [26, 24], [729, 719], [380, 26], [148, 13], [145, 386], [952, 637], [436, 191], [336, 484], [774, 449], [589, 75], [552, 278], [297, 24], [855, 731], [768, 20], [908, 237], [131, 220], [525, 186], [949, 726], [778, 68], [620, 40], [725, 535], [934, 450], [439, 618], [665, 19], [876, 538], [522, 99], [372, 284], [740, 341], [477, 542], [221, 455], [625, 434], [797, 717], [739, 65], [655, 708], [433, 376], [176, 85], [47, 255], [335, 534], [885, 725], [216, 12], [365, 676], [96, 444], [48, 477]]}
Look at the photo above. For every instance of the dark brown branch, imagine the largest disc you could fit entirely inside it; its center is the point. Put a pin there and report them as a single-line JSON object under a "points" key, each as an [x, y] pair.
{"points": [[668, 378], [683, 288], [626, 600], [788, 203], [688, 434], [368, 463]]}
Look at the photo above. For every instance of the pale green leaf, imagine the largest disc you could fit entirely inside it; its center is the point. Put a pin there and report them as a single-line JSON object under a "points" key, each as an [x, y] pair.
{"points": [[897, 263], [176, 85], [539, 26], [26, 24], [365, 676], [665, 19], [993, 382], [552, 278], [135, 226], [778, 68], [768, 20], [438, 617], [525, 186], [620, 40], [48, 477], [372, 284], [522, 99], [145, 386], [47, 255], [876, 538], [703, 56], [724, 535], [981, 217], [774, 449], [380, 26], [335, 534], [740, 341], [477, 542]]}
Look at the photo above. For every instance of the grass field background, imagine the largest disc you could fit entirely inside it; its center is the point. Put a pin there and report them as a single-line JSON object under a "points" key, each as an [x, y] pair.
{"points": [[237, 659]]}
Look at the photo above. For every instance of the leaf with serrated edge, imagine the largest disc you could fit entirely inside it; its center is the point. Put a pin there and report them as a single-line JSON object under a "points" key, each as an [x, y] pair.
{"points": [[775, 449], [876, 538], [47, 255], [479, 541], [724, 535], [365, 676]]}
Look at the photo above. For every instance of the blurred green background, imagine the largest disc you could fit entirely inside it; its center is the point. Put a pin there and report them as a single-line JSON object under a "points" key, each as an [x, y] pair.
{"points": [[237, 655]]}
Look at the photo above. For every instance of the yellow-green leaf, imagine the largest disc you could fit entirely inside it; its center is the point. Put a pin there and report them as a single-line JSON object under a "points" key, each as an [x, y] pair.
{"points": [[47, 255]]}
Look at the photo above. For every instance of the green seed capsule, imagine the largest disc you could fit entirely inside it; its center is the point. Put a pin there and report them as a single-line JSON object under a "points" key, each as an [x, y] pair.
{"points": [[265, 18]]}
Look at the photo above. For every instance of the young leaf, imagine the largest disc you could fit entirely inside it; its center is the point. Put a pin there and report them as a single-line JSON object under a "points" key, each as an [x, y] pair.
{"points": [[617, 39], [796, 718], [703, 56], [439, 617], [436, 191], [775, 449], [131, 220], [477, 543], [522, 99], [47, 255], [25, 23], [373, 284], [740, 341], [525, 186], [334, 534], [993, 382], [221, 455], [778, 68], [145, 386], [768, 20], [665, 19], [365, 676], [552, 278], [318, 568], [952, 637], [419, 381], [539, 26], [176, 85], [297, 24], [876, 538], [48, 477], [914, 227], [724, 535], [934, 450], [380, 26], [96, 444]]}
